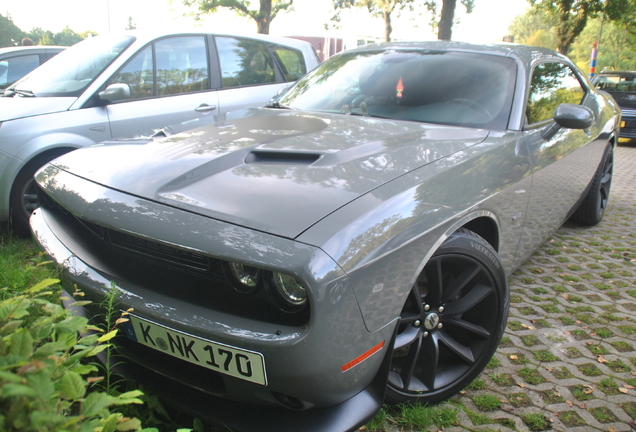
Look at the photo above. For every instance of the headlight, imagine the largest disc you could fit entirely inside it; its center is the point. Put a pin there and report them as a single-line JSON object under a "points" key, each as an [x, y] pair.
{"points": [[285, 291], [247, 277], [289, 294]]}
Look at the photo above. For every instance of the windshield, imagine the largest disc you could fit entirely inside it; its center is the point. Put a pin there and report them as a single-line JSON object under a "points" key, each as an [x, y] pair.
{"points": [[74, 69], [616, 83], [441, 87]]}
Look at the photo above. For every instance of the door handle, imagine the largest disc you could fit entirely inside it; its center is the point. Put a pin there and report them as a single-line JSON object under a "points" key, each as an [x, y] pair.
{"points": [[205, 108]]}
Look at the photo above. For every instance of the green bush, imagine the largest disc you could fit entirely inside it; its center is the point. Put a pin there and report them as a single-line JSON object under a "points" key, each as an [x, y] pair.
{"points": [[44, 386]]}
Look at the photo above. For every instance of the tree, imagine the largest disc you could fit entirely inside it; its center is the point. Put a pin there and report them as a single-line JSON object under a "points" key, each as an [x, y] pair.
{"points": [[572, 16], [131, 24], [263, 16], [617, 46], [535, 28], [10, 34], [66, 37], [377, 8], [448, 15]]}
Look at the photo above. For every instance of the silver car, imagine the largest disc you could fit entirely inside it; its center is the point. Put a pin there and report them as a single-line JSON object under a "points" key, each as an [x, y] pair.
{"points": [[16, 62], [293, 265], [122, 84]]}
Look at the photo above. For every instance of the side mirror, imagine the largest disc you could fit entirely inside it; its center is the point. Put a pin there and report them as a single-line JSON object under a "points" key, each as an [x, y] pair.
{"points": [[570, 116], [115, 92], [573, 116]]}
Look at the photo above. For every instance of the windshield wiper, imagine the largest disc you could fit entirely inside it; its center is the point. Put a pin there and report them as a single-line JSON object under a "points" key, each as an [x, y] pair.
{"points": [[276, 104], [13, 92]]}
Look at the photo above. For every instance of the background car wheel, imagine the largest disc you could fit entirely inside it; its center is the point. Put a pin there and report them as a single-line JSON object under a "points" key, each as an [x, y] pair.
{"points": [[23, 198], [452, 322], [592, 209]]}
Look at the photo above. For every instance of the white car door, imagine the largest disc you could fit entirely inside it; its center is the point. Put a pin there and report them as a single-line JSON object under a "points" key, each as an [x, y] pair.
{"points": [[169, 84]]}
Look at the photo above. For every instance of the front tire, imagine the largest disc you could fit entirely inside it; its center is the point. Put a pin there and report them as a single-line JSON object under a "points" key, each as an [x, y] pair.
{"points": [[452, 322], [23, 199]]}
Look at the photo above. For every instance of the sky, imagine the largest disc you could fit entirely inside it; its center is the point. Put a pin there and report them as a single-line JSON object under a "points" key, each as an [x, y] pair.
{"points": [[488, 23]]}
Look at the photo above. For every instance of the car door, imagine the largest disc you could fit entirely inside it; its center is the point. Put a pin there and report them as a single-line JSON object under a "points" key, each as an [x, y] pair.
{"points": [[169, 82], [249, 75], [561, 162]]}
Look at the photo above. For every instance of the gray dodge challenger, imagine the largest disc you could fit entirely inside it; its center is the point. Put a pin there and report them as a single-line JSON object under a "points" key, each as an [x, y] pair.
{"points": [[294, 266]]}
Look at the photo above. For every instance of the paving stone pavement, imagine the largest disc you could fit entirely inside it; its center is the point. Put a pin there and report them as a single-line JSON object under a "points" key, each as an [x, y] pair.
{"points": [[569, 354]]}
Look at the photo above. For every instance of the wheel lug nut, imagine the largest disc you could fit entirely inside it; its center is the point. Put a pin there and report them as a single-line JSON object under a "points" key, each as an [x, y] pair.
{"points": [[441, 309], [427, 307], [425, 334], [440, 325], [417, 323]]}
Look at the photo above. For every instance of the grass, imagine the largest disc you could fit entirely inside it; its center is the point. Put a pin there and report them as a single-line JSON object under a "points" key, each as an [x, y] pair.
{"points": [[487, 402]]}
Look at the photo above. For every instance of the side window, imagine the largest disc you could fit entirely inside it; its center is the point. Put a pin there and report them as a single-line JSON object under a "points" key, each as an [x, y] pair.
{"points": [[175, 66], [244, 62], [138, 74], [552, 84], [290, 60], [12, 69], [182, 65]]}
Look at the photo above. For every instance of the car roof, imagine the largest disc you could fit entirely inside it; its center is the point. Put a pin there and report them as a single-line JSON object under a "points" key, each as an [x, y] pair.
{"points": [[629, 73], [145, 36], [26, 49], [523, 52]]}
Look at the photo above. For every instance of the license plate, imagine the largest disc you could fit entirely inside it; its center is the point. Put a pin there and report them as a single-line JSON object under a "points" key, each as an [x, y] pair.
{"points": [[228, 360]]}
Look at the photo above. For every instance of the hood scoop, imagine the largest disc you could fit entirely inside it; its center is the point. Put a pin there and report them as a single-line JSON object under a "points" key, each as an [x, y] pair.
{"points": [[282, 158]]}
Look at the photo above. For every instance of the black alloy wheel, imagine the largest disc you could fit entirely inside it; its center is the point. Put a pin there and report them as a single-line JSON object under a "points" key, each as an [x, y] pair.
{"points": [[452, 322], [590, 212]]}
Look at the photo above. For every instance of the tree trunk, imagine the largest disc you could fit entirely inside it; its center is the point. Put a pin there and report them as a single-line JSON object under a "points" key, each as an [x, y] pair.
{"points": [[264, 17], [387, 26], [262, 26], [570, 27], [446, 21]]}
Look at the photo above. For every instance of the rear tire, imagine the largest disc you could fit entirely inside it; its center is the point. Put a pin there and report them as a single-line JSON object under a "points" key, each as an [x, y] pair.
{"points": [[591, 210], [452, 322]]}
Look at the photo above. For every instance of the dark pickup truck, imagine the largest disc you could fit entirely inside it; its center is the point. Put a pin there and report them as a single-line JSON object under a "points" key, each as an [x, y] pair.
{"points": [[622, 86]]}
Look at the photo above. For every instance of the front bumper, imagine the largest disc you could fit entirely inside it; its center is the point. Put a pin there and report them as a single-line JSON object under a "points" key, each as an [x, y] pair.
{"points": [[300, 361], [347, 416]]}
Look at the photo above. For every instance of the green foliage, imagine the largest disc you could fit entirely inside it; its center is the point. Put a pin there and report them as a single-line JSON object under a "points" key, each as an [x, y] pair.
{"points": [[571, 16], [263, 16], [44, 386], [67, 37], [10, 34], [616, 50]]}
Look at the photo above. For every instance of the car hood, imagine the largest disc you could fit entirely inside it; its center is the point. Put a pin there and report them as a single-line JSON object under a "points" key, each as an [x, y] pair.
{"points": [[276, 171], [16, 107]]}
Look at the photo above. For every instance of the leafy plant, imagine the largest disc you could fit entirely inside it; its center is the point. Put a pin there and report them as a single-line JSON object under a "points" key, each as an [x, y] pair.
{"points": [[44, 386]]}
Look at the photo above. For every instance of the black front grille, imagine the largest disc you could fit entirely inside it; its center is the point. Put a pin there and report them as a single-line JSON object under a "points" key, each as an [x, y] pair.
{"points": [[159, 252], [172, 271]]}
